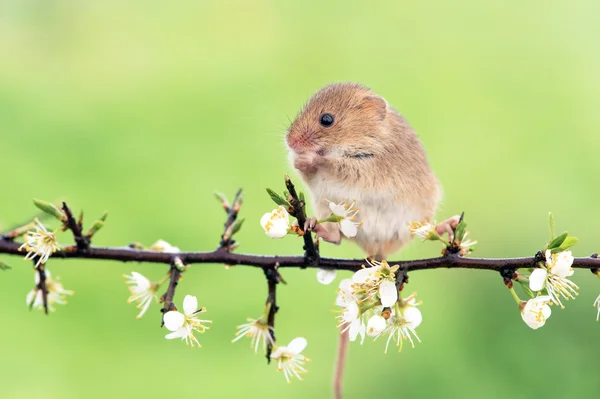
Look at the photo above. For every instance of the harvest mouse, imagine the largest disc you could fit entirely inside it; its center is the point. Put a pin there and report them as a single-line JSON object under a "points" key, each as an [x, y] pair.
{"points": [[349, 144]]}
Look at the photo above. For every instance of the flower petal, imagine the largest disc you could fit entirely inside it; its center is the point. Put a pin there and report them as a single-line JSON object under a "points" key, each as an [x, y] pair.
{"points": [[181, 332], [363, 275], [338, 209], [326, 276], [537, 280], [413, 317], [376, 325], [388, 293], [348, 228], [190, 305], [345, 295], [297, 345], [562, 264], [173, 320]]}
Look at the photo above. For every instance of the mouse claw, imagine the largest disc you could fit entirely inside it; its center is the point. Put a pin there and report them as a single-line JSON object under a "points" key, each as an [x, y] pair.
{"points": [[448, 226], [310, 224]]}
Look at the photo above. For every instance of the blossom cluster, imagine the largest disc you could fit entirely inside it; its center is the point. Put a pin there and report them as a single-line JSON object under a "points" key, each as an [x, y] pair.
{"points": [[370, 305], [546, 285]]}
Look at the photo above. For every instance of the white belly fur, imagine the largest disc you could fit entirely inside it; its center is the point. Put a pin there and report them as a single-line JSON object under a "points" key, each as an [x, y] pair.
{"points": [[385, 219]]}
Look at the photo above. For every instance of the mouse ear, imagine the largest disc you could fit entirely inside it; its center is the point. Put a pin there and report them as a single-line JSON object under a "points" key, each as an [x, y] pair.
{"points": [[376, 105]]}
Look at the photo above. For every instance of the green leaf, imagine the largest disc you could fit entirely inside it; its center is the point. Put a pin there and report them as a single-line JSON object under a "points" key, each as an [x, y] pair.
{"points": [[551, 225], [460, 231], [49, 208], [301, 196], [558, 241], [566, 244], [276, 197]]}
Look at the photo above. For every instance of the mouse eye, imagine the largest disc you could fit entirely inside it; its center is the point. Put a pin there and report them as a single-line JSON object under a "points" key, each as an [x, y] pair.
{"points": [[326, 120]]}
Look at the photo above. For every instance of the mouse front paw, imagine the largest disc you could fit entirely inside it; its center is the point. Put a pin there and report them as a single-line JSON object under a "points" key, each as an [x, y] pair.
{"points": [[306, 162], [448, 226]]}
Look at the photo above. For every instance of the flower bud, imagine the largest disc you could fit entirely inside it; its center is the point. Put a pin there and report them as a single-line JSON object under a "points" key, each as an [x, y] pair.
{"points": [[49, 209]]}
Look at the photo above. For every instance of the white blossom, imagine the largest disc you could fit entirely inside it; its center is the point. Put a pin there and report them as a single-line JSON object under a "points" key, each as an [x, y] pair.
{"points": [[256, 329], [184, 324], [402, 324], [378, 280], [276, 223], [424, 230], [466, 245], [163, 246], [39, 243], [142, 291], [290, 360], [597, 305], [376, 325], [346, 214], [56, 293], [326, 276], [553, 277], [536, 311], [350, 319]]}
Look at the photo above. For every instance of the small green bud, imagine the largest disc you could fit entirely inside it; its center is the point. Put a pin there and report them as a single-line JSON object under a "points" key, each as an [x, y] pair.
{"points": [[4, 266], [236, 226], [97, 225], [222, 199], [50, 209], [103, 216]]}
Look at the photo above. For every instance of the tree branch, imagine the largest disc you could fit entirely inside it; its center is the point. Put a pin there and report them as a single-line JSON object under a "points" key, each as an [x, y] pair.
{"points": [[220, 257]]}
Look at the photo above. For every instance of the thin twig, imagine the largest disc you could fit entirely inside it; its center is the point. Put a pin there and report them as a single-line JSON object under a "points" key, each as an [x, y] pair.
{"points": [[311, 254], [168, 296], [42, 286], [82, 242], [272, 281], [18, 231], [227, 243]]}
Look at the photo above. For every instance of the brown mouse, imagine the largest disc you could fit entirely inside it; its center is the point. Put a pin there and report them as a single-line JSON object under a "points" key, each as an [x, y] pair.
{"points": [[349, 144]]}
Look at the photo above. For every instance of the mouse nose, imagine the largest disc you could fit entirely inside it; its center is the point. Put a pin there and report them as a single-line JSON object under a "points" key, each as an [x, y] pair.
{"points": [[299, 143]]}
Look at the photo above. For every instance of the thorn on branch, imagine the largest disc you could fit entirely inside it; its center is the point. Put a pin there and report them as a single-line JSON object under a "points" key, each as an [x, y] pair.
{"points": [[297, 210], [83, 243], [273, 279]]}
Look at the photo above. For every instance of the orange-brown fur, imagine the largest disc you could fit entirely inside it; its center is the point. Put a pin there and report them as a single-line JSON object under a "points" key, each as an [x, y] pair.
{"points": [[392, 183]]}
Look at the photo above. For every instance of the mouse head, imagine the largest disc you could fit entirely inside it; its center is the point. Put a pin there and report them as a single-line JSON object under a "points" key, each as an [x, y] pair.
{"points": [[344, 120]]}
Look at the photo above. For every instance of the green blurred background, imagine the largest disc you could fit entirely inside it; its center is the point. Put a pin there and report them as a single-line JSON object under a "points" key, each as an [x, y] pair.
{"points": [[145, 108]]}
